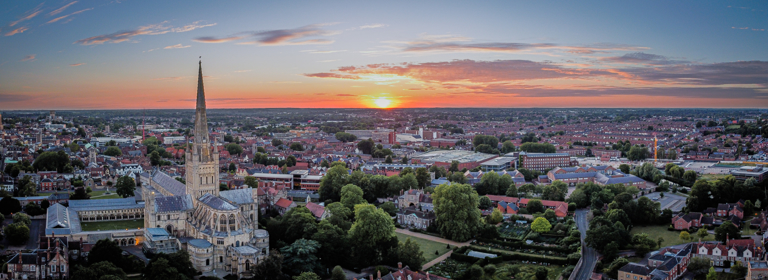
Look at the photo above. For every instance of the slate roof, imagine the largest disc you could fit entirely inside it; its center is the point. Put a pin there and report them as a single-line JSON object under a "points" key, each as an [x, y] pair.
{"points": [[216, 202], [169, 183], [239, 196], [247, 250], [173, 203], [200, 243], [104, 204], [61, 220], [635, 269]]}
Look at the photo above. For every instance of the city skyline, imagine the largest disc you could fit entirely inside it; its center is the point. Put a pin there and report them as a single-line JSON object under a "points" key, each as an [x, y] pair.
{"points": [[133, 55]]}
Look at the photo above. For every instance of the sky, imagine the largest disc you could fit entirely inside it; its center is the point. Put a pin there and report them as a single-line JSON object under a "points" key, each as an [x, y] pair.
{"points": [[369, 54]]}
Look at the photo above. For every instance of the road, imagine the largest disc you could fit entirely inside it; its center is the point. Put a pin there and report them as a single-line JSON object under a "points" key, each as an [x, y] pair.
{"points": [[589, 255], [35, 231]]}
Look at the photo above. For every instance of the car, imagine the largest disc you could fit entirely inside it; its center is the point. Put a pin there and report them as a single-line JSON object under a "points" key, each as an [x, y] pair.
{"points": [[655, 198]]}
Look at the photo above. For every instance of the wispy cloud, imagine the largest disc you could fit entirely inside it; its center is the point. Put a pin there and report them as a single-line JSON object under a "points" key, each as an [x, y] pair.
{"points": [[323, 52], [28, 15], [152, 29], [77, 64], [59, 10], [28, 58], [748, 28], [177, 46], [65, 16], [455, 43], [297, 36], [18, 30], [643, 58], [369, 26], [344, 94]]}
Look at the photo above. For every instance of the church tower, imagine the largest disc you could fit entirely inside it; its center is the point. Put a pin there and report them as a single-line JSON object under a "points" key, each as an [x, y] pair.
{"points": [[202, 159]]}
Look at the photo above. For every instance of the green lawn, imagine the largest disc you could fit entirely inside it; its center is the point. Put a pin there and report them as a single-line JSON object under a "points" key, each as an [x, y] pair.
{"points": [[428, 247], [670, 237], [112, 225]]}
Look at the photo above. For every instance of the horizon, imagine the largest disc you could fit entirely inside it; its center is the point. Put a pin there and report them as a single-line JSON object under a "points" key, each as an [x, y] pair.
{"points": [[90, 55]]}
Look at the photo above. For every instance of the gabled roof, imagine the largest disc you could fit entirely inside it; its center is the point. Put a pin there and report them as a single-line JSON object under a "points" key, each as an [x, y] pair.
{"points": [[216, 202], [168, 183], [316, 209], [173, 203], [240, 196]]}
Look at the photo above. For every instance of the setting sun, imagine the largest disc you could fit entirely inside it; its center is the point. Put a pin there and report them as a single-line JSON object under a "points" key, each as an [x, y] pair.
{"points": [[382, 102]]}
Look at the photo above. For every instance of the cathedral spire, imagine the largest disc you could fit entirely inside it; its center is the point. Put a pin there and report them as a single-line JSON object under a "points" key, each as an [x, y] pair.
{"points": [[201, 120]]}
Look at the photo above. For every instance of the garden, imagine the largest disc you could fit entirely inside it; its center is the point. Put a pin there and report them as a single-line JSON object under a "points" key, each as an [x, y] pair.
{"points": [[516, 269], [513, 230]]}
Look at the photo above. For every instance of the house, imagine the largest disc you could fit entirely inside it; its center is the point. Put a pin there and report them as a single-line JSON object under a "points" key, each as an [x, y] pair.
{"points": [[413, 217], [415, 198], [318, 210], [560, 207], [729, 209], [757, 270], [284, 205], [684, 221], [743, 250], [665, 265]]}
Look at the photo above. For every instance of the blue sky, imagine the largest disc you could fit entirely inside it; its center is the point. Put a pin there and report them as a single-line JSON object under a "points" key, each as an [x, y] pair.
{"points": [[92, 54]]}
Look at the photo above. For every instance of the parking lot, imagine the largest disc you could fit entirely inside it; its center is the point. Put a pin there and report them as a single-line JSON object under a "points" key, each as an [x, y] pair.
{"points": [[669, 201]]}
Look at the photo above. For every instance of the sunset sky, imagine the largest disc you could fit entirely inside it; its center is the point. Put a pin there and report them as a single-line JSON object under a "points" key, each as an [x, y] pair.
{"points": [[334, 54]]}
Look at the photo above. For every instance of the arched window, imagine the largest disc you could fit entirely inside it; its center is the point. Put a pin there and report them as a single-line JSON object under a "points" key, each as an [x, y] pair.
{"points": [[221, 259], [237, 243], [207, 261]]}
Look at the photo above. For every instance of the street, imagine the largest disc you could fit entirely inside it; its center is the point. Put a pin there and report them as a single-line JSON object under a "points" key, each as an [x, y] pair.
{"points": [[589, 255]]}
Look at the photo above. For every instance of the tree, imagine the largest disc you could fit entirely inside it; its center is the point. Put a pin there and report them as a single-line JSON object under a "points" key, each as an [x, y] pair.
{"points": [[372, 229], [712, 274], [624, 168], [422, 176], [541, 273], [9, 205], [270, 268], [338, 273], [332, 182], [296, 146], [535, 206], [301, 256], [476, 272], [74, 147], [154, 158], [51, 161], [345, 137], [125, 186], [685, 236], [727, 230], [749, 209], [739, 269], [457, 177], [637, 153], [307, 276], [334, 243], [97, 271], [106, 250], [113, 151], [389, 207], [456, 208], [495, 217], [410, 254], [699, 265], [22, 218], [507, 147], [531, 147], [613, 269], [689, 176], [251, 182], [341, 216], [485, 202], [234, 149], [351, 195], [541, 225], [45, 204], [702, 233], [276, 142], [549, 214], [17, 233], [512, 190], [454, 166], [28, 189]]}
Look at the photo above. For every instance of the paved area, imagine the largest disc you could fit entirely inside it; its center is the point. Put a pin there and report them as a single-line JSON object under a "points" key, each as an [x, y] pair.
{"points": [[136, 251], [670, 201], [589, 255], [432, 238], [35, 231]]}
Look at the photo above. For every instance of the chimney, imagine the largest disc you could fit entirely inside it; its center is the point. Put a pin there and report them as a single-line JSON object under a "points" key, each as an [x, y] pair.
{"points": [[378, 274], [371, 278], [399, 265], [49, 242], [428, 275]]}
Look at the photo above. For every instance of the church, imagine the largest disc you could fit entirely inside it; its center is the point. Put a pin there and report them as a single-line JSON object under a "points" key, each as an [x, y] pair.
{"points": [[219, 229]]}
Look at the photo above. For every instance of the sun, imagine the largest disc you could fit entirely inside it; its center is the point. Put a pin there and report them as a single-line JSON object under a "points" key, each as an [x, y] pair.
{"points": [[382, 102]]}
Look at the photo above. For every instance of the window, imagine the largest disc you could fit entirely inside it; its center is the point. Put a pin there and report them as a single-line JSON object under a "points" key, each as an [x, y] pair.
{"points": [[53, 268], [221, 259], [63, 268]]}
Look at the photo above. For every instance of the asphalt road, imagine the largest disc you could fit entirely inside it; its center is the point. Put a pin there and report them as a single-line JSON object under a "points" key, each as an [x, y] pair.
{"points": [[589, 255], [35, 231]]}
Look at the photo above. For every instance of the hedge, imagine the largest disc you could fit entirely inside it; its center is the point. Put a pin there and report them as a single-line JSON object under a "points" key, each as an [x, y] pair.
{"points": [[515, 256], [521, 245]]}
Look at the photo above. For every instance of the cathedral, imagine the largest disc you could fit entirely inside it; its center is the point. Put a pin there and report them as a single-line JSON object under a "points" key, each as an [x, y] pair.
{"points": [[219, 229]]}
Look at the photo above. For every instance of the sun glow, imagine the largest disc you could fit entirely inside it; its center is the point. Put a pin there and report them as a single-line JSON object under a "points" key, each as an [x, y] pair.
{"points": [[382, 102]]}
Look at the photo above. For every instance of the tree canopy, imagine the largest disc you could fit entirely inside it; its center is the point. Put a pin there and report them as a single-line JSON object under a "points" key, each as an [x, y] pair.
{"points": [[456, 208]]}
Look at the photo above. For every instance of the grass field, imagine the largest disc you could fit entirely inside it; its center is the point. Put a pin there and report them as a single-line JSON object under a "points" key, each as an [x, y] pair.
{"points": [[427, 246], [670, 237], [112, 225], [712, 177]]}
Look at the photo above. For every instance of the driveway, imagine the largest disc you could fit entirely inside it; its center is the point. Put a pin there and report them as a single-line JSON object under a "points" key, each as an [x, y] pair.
{"points": [[35, 231]]}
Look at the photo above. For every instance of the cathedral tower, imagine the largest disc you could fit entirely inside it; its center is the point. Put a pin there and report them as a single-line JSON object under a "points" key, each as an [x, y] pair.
{"points": [[202, 159]]}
